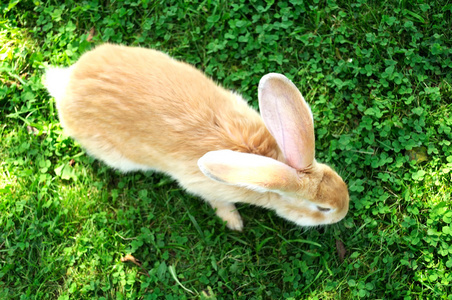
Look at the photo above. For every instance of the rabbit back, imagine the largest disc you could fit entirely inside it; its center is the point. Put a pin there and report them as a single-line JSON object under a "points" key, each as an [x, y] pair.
{"points": [[139, 109]]}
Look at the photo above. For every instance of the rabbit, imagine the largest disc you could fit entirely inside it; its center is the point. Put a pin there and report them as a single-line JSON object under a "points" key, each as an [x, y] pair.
{"points": [[139, 109]]}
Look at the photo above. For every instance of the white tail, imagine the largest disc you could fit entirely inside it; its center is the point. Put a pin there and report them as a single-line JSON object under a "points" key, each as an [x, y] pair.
{"points": [[56, 81]]}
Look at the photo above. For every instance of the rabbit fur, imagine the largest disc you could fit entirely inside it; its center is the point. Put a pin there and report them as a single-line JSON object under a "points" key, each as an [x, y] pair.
{"points": [[139, 109]]}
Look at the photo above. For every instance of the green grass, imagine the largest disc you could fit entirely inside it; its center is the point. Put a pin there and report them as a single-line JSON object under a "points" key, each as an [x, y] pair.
{"points": [[378, 77]]}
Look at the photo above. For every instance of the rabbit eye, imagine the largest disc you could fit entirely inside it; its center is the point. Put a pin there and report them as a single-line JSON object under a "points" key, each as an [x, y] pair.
{"points": [[324, 209]]}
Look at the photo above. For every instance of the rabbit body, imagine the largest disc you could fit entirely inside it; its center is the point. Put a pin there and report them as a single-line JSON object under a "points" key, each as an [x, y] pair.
{"points": [[140, 109]]}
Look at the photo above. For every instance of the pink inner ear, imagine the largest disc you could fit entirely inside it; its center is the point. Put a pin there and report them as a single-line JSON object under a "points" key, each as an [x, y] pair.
{"points": [[288, 118]]}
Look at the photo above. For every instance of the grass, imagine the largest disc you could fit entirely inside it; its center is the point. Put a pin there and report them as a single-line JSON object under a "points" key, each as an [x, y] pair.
{"points": [[378, 77]]}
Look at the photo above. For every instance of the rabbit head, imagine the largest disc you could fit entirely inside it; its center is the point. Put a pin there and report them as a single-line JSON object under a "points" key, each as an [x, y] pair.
{"points": [[299, 188]]}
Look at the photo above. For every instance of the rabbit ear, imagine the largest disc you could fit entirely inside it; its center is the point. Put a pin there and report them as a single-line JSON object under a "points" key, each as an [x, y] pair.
{"points": [[288, 118], [252, 171]]}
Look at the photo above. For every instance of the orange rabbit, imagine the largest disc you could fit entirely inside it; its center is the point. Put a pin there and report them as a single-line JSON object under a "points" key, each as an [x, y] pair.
{"points": [[139, 109]]}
